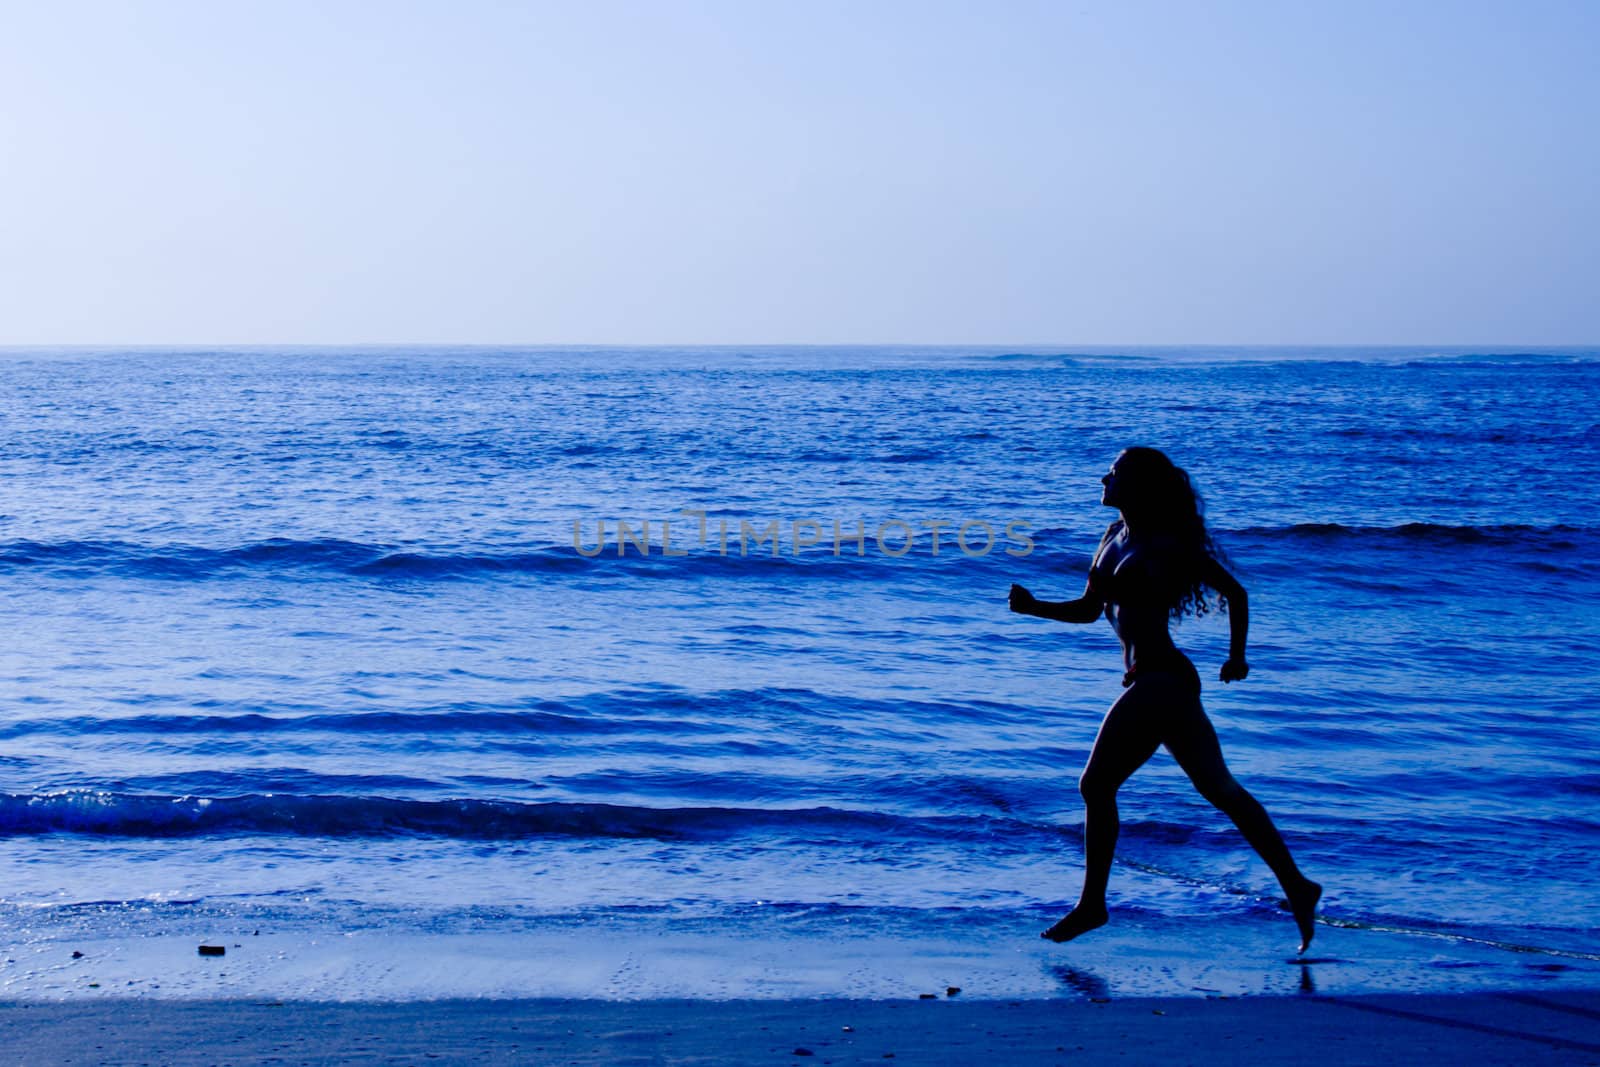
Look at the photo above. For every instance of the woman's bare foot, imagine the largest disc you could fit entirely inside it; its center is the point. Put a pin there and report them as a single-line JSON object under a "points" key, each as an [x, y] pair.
{"points": [[1078, 921], [1303, 902]]}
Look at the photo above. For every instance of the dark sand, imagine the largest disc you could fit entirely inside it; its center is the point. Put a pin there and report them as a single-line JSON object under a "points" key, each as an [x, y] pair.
{"points": [[1506, 1028]]}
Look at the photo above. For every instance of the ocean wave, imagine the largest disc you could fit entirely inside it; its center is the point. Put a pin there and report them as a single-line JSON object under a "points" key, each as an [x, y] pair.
{"points": [[1546, 358], [1302, 357], [1458, 560], [130, 559], [178, 562], [1425, 533], [659, 708], [1066, 359], [135, 815], [558, 720], [380, 562], [1409, 533], [1556, 548]]}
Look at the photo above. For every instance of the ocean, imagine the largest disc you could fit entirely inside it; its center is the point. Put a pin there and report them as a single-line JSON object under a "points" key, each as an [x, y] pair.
{"points": [[429, 671]]}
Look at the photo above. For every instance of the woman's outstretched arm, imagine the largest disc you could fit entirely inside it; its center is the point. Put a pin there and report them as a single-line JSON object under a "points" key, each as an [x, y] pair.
{"points": [[1086, 608], [1227, 586]]}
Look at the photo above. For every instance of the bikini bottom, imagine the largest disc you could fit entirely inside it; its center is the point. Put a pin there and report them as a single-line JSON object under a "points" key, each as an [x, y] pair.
{"points": [[1174, 665]]}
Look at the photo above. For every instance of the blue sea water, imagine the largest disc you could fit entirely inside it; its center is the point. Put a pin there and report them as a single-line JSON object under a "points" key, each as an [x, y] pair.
{"points": [[327, 639]]}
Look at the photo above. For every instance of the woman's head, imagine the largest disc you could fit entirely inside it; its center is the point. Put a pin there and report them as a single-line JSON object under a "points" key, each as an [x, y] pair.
{"points": [[1145, 485], [1161, 505]]}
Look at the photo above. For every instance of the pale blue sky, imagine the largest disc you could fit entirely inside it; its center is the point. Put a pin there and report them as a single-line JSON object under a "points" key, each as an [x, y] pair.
{"points": [[817, 172]]}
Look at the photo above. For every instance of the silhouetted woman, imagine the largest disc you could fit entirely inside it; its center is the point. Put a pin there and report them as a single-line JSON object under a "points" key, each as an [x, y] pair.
{"points": [[1156, 562]]}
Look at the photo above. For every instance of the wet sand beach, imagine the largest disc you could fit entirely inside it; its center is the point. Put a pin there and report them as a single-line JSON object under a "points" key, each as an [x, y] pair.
{"points": [[1506, 1028]]}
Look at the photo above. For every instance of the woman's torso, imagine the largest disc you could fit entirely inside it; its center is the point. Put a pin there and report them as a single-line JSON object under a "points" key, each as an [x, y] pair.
{"points": [[1133, 578]]}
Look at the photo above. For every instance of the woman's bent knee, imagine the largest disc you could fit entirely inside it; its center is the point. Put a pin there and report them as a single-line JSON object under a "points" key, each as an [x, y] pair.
{"points": [[1092, 787]]}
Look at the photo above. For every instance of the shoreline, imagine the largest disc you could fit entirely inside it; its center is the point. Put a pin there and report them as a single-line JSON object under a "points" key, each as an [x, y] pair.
{"points": [[768, 954], [1496, 1028], [774, 957]]}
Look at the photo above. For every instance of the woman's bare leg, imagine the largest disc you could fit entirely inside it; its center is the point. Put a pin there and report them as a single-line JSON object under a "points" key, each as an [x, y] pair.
{"points": [[1193, 743], [1126, 740]]}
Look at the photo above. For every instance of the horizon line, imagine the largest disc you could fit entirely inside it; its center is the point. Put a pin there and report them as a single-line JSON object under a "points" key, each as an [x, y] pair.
{"points": [[13, 345]]}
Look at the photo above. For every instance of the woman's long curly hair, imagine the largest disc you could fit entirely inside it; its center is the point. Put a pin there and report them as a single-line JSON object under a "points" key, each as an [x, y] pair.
{"points": [[1158, 495]]}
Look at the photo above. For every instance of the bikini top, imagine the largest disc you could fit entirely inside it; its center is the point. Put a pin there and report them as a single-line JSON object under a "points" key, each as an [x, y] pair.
{"points": [[1129, 577], [1104, 579]]}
